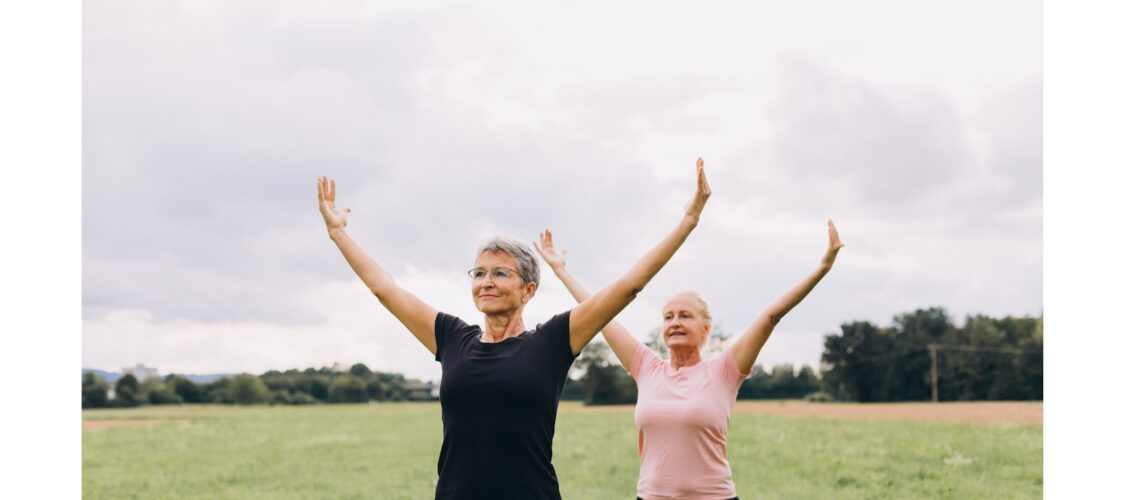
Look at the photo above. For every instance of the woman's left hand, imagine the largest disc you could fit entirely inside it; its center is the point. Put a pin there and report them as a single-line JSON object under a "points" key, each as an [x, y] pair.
{"points": [[833, 244]]}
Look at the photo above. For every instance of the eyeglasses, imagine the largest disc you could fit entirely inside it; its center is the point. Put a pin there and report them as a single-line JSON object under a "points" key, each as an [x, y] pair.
{"points": [[498, 274]]}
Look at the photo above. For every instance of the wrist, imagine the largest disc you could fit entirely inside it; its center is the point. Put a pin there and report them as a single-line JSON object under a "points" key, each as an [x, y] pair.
{"points": [[689, 221], [336, 231]]}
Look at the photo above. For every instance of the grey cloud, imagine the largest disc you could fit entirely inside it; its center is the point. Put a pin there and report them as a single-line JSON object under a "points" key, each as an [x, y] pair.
{"points": [[891, 146], [204, 134], [198, 163]]}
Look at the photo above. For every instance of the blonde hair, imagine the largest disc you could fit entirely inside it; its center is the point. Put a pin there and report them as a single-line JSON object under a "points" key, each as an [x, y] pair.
{"points": [[704, 306]]}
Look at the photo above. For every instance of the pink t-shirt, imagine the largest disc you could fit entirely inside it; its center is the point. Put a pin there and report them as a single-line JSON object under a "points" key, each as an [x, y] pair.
{"points": [[682, 425]]}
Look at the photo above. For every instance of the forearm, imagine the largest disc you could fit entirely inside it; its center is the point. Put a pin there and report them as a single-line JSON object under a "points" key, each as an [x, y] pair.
{"points": [[793, 297], [651, 263], [748, 346], [576, 289], [369, 271]]}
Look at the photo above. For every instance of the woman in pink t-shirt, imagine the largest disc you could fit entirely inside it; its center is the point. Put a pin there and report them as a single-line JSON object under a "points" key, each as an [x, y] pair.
{"points": [[684, 403]]}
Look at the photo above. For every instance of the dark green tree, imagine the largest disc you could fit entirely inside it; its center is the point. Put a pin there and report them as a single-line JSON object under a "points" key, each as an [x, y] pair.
{"points": [[156, 392], [127, 391], [218, 391], [573, 391], [608, 384], [348, 388], [186, 389], [806, 382], [94, 391], [246, 389], [603, 379], [360, 370], [756, 385], [848, 363]]}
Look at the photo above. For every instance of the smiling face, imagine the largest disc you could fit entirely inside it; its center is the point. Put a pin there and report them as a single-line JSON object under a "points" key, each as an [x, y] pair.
{"points": [[499, 295], [686, 322]]}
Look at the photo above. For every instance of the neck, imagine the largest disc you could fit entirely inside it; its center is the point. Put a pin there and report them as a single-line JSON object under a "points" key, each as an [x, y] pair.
{"points": [[684, 356], [500, 327]]}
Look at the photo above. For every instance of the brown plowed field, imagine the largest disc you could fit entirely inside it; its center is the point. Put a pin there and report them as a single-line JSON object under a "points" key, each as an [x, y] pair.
{"points": [[999, 412]]}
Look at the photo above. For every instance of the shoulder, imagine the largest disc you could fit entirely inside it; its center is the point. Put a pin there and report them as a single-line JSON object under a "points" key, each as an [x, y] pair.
{"points": [[558, 323], [444, 321], [449, 331], [645, 360], [553, 338], [724, 367]]}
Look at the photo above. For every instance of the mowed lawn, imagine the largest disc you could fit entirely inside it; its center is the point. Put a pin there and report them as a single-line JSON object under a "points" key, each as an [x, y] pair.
{"points": [[389, 451]]}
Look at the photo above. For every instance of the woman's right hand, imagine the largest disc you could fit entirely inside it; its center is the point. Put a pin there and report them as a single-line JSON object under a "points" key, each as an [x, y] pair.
{"points": [[697, 204], [553, 259], [326, 195]]}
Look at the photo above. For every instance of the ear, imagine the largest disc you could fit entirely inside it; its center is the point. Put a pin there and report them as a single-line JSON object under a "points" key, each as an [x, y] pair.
{"points": [[529, 291]]}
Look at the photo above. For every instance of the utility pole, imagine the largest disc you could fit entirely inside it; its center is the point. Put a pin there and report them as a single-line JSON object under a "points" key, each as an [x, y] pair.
{"points": [[933, 371]]}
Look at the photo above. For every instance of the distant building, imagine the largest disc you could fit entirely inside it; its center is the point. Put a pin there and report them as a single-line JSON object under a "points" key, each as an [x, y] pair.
{"points": [[141, 372], [421, 391]]}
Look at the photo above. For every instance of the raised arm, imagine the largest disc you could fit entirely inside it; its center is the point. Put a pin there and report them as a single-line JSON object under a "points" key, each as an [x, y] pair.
{"points": [[747, 347], [623, 344], [418, 317], [588, 317]]}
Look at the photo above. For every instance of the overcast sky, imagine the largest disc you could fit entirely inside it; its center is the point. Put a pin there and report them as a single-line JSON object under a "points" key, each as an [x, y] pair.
{"points": [[916, 128]]}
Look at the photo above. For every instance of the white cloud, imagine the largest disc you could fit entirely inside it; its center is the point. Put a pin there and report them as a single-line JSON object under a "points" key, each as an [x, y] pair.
{"points": [[206, 125]]}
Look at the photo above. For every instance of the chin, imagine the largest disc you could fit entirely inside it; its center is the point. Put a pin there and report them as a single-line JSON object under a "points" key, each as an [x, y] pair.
{"points": [[491, 308]]}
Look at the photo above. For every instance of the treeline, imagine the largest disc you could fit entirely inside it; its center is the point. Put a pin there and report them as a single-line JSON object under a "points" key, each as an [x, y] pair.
{"points": [[296, 387], [984, 359]]}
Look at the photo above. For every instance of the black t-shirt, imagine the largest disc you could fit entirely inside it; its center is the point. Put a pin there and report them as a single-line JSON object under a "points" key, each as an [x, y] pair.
{"points": [[499, 404]]}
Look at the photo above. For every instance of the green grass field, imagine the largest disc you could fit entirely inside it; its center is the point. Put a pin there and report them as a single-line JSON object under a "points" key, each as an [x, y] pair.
{"points": [[390, 450]]}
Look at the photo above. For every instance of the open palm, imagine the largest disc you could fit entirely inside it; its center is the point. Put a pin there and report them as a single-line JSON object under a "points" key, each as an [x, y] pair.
{"points": [[547, 251], [833, 244], [326, 196]]}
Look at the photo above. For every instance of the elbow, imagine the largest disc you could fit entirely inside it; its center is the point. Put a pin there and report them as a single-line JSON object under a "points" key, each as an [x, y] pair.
{"points": [[624, 289], [774, 318], [382, 291]]}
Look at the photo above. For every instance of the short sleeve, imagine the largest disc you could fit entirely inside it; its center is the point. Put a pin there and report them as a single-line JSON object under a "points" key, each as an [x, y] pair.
{"points": [[555, 334], [644, 360], [446, 329], [726, 369]]}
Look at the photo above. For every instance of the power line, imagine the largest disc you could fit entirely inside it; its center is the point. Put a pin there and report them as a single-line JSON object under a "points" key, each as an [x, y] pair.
{"points": [[871, 359], [953, 347], [972, 348]]}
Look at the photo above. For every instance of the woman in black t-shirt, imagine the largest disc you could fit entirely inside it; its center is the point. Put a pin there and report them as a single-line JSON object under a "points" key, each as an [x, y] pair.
{"points": [[501, 382]]}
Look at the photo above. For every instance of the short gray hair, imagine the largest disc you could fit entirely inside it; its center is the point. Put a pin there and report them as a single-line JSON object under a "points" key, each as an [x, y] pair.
{"points": [[528, 265]]}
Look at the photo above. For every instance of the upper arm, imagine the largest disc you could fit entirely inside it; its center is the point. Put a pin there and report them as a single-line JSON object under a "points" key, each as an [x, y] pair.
{"points": [[417, 316], [623, 343], [747, 347], [592, 314]]}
